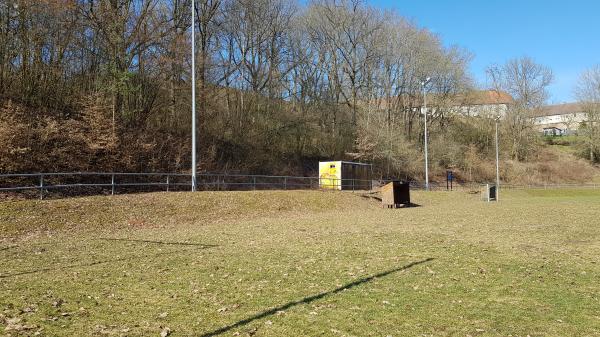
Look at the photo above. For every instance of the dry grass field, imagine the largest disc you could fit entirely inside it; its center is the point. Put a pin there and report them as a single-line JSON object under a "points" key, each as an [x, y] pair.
{"points": [[291, 263]]}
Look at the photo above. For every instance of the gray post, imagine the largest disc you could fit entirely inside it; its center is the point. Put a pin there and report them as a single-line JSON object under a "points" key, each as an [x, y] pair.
{"points": [[193, 96], [41, 187], [112, 184], [497, 162], [167, 183], [254, 183], [371, 179], [423, 84], [285, 183]]}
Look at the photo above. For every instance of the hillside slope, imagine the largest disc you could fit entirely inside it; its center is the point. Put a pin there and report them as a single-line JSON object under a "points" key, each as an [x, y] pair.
{"points": [[551, 165]]}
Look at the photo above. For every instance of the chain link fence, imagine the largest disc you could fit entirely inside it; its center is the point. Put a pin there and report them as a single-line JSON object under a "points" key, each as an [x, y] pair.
{"points": [[42, 185]]}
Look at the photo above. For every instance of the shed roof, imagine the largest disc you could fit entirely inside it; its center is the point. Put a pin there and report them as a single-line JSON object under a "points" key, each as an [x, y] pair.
{"points": [[347, 162]]}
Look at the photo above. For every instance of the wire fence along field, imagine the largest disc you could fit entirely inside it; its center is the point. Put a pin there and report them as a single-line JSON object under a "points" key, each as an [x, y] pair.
{"points": [[83, 183], [41, 185]]}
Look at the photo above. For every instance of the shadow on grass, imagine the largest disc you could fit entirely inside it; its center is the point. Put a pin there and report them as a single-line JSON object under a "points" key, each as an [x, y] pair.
{"points": [[310, 299], [159, 242], [378, 198], [95, 263], [401, 206]]}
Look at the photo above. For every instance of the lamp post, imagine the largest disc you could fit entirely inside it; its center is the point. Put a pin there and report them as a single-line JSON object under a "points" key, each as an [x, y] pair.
{"points": [[497, 161], [193, 96], [423, 84]]}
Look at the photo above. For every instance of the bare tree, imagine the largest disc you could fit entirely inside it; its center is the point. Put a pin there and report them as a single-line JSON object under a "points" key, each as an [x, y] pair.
{"points": [[587, 91], [527, 82], [277, 79]]}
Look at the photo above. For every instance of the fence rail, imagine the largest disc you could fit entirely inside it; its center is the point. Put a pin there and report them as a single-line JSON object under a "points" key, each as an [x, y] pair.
{"points": [[78, 183], [547, 186]]}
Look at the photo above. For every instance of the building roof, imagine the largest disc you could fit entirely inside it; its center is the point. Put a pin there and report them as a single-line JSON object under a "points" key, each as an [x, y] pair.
{"points": [[474, 97], [559, 109], [484, 97], [470, 98]]}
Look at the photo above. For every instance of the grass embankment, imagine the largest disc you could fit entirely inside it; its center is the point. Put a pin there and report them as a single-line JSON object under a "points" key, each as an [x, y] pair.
{"points": [[302, 264]]}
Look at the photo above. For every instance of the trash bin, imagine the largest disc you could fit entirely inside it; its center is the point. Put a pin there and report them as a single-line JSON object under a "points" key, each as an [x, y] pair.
{"points": [[395, 194]]}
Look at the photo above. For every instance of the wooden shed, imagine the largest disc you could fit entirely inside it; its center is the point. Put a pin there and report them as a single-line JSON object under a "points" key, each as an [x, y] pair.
{"points": [[395, 194]]}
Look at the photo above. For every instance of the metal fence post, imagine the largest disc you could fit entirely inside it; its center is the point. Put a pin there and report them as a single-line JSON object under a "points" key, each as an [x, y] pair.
{"points": [[254, 183], [285, 183], [112, 184], [167, 183], [41, 187]]}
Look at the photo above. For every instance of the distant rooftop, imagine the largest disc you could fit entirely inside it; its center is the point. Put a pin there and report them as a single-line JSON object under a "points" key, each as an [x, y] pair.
{"points": [[484, 97], [470, 98], [559, 109]]}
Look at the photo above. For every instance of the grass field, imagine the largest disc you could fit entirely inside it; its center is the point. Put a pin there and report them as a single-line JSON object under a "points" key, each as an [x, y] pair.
{"points": [[302, 264]]}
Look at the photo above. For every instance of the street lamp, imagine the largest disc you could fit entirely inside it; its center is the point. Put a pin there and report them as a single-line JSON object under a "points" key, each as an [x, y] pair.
{"points": [[193, 97], [497, 161], [423, 84]]}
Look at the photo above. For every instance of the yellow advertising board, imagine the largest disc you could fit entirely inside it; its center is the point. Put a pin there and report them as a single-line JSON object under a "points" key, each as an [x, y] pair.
{"points": [[330, 175]]}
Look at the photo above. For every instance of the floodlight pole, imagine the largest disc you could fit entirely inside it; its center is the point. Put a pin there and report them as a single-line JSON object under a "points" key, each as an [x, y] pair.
{"points": [[423, 84], [193, 96], [497, 161]]}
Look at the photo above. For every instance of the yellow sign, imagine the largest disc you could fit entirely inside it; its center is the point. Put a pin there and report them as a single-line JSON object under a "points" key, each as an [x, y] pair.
{"points": [[330, 175]]}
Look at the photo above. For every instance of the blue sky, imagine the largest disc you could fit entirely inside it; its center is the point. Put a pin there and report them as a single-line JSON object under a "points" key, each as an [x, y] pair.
{"points": [[564, 35]]}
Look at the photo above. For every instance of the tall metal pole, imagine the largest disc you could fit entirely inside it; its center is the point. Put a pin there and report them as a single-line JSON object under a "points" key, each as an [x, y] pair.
{"points": [[193, 96], [426, 154], [497, 162]]}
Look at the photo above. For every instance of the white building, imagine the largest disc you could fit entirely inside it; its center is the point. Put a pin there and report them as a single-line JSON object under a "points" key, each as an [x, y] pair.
{"points": [[485, 103], [561, 119]]}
